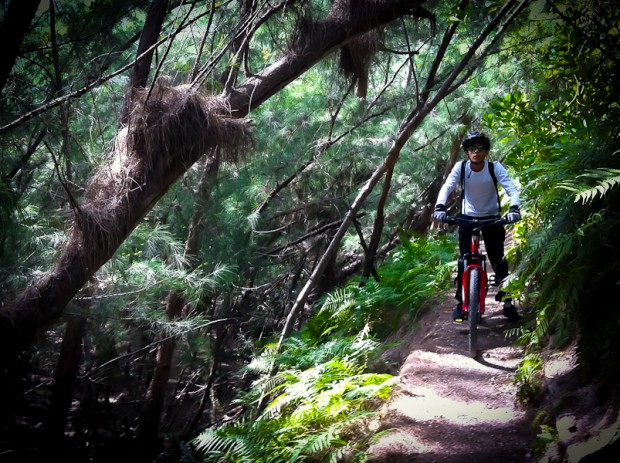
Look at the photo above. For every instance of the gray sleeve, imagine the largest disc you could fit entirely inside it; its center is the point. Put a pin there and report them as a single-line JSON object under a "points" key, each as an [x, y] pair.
{"points": [[507, 184], [454, 178]]}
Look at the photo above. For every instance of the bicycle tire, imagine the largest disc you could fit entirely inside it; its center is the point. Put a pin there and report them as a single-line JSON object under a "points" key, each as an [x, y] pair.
{"points": [[473, 308]]}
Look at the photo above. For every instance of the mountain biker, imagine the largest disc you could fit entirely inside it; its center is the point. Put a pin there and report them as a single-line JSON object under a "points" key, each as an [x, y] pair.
{"points": [[480, 199]]}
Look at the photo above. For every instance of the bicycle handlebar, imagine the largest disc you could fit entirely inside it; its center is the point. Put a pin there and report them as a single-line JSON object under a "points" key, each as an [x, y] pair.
{"points": [[457, 219]]}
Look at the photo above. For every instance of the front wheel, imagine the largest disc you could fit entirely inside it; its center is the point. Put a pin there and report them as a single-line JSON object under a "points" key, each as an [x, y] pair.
{"points": [[473, 306]]}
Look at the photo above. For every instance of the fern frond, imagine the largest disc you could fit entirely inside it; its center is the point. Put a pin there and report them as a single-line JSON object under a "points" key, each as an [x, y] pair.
{"points": [[338, 303], [216, 447], [606, 178], [320, 443]]}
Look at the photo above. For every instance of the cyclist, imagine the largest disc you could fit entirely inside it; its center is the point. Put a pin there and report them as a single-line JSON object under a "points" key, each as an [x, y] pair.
{"points": [[480, 199]]}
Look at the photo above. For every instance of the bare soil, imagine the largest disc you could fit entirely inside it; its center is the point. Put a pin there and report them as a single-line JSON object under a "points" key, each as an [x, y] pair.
{"points": [[448, 407]]}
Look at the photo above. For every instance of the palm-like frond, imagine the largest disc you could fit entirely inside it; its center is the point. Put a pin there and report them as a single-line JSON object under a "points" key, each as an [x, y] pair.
{"points": [[565, 258], [215, 447], [606, 179]]}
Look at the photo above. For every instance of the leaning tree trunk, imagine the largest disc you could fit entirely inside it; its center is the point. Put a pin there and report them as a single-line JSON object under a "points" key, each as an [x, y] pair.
{"points": [[170, 132]]}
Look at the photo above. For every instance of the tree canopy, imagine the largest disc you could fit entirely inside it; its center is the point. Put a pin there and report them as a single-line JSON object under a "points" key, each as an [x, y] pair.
{"points": [[209, 180]]}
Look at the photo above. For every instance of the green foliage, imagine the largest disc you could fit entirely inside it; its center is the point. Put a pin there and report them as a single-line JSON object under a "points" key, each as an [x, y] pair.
{"points": [[315, 401], [35, 240], [529, 377], [413, 272], [419, 268], [323, 393], [562, 138], [8, 203], [544, 438], [606, 180]]}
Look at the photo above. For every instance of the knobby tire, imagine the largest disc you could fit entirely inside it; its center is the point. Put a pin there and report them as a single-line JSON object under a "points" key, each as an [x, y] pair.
{"points": [[474, 310]]}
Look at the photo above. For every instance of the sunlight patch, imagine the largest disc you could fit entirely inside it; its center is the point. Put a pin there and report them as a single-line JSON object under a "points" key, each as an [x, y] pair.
{"points": [[427, 404]]}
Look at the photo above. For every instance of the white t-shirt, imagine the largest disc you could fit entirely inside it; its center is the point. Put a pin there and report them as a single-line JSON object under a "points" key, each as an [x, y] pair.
{"points": [[480, 194]]}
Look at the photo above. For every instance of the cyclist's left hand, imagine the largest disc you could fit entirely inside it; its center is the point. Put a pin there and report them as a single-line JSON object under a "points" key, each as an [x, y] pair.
{"points": [[440, 213], [513, 214]]}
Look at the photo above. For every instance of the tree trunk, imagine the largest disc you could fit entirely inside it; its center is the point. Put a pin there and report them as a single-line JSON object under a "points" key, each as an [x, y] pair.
{"points": [[206, 403], [92, 243], [321, 39], [152, 409], [377, 229], [148, 38], [202, 193], [150, 35], [13, 30], [66, 373], [154, 401]]}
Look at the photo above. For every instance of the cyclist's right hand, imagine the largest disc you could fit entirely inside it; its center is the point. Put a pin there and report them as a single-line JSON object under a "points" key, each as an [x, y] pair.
{"points": [[440, 213], [514, 215]]}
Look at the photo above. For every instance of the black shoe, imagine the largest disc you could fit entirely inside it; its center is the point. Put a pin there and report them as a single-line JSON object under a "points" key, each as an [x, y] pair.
{"points": [[457, 314], [510, 312]]}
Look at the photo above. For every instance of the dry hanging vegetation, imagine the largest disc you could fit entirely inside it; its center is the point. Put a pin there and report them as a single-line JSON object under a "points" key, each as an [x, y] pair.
{"points": [[169, 129], [355, 58]]}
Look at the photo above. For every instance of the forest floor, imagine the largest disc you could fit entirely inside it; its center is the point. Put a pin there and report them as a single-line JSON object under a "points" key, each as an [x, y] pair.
{"points": [[450, 408]]}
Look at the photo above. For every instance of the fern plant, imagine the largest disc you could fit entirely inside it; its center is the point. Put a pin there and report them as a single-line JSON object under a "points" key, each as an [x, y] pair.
{"points": [[564, 147], [324, 393], [312, 405], [414, 272], [605, 178]]}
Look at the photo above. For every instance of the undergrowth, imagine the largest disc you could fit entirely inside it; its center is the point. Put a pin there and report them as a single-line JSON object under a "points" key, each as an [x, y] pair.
{"points": [[322, 399]]}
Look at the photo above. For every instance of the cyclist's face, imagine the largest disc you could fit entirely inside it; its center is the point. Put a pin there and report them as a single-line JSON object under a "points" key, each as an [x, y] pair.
{"points": [[477, 152]]}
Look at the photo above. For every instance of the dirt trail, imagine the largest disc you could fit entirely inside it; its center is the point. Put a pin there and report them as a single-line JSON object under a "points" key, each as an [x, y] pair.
{"points": [[449, 407]]}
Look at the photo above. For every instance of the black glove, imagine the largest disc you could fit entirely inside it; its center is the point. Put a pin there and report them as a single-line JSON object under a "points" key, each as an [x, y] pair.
{"points": [[440, 213], [513, 214]]}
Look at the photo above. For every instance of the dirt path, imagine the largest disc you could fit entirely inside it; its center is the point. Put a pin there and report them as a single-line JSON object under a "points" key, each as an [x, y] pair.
{"points": [[449, 407]]}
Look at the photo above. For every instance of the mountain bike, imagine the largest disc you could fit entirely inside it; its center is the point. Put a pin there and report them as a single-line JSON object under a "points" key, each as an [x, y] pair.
{"points": [[475, 281]]}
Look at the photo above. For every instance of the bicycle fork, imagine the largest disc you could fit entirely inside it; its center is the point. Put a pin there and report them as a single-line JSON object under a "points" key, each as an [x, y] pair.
{"points": [[468, 273], [474, 266]]}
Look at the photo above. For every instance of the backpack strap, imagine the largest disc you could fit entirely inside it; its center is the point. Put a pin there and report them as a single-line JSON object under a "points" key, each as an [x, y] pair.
{"points": [[491, 166], [463, 184], [492, 172]]}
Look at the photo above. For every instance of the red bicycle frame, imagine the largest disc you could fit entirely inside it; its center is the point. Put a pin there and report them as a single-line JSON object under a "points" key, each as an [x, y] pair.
{"points": [[475, 283], [474, 260]]}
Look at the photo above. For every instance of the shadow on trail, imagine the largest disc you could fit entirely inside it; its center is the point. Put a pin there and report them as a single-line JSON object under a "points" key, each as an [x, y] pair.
{"points": [[479, 358], [492, 338]]}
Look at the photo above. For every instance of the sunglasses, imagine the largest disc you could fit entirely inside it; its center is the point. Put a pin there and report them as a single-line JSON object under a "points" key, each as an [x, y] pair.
{"points": [[477, 147]]}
